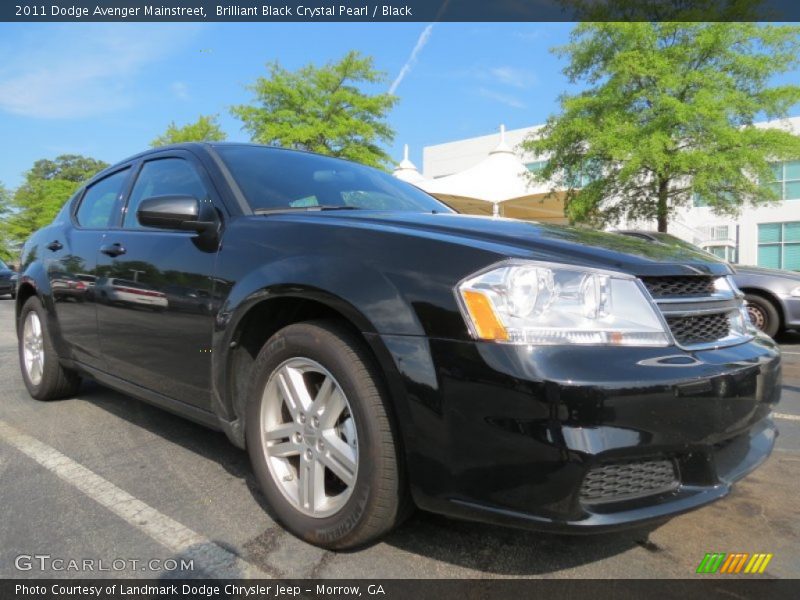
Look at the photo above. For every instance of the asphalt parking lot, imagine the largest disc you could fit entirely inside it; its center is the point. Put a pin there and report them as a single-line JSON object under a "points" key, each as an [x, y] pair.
{"points": [[104, 477]]}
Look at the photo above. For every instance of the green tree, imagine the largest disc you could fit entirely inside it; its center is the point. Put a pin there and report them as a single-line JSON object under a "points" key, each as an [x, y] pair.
{"points": [[668, 111], [48, 184], [6, 243], [69, 167], [205, 129], [36, 203], [322, 109]]}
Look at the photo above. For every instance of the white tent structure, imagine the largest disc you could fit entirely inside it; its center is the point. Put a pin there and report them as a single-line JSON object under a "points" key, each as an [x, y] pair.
{"points": [[406, 170], [498, 185]]}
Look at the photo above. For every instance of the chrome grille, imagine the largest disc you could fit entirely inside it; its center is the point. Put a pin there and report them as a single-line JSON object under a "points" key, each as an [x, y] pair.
{"points": [[625, 480], [679, 287], [697, 310], [699, 329]]}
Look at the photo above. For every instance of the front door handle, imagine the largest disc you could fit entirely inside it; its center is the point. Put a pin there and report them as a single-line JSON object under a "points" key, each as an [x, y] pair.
{"points": [[55, 245], [112, 249]]}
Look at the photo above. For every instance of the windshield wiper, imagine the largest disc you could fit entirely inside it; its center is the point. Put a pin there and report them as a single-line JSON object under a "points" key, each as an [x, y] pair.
{"points": [[281, 209]]}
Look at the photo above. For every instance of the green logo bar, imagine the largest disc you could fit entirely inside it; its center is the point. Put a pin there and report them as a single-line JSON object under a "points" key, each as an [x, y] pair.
{"points": [[711, 562]]}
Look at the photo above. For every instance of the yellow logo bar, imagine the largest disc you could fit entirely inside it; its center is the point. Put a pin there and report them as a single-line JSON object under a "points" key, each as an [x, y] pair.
{"points": [[758, 563]]}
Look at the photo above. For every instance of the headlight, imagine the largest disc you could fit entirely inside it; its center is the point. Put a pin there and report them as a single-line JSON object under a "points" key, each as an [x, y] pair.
{"points": [[522, 302], [795, 293]]}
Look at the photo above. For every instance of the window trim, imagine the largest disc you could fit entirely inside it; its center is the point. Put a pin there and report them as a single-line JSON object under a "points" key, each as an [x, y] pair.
{"points": [[81, 195], [200, 169]]}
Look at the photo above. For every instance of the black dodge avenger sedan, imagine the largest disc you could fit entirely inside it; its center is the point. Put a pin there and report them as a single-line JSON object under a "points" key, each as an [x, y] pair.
{"points": [[373, 351]]}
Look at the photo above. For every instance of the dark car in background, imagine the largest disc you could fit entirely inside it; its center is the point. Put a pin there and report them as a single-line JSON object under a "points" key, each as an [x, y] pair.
{"points": [[372, 350], [772, 295], [8, 280]]}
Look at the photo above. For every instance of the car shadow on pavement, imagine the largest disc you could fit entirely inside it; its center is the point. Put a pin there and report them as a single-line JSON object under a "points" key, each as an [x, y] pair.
{"points": [[506, 551], [788, 337], [477, 546]]}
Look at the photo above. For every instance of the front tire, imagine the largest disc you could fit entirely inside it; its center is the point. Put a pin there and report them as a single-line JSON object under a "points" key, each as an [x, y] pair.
{"points": [[763, 314], [42, 372], [320, 437]]}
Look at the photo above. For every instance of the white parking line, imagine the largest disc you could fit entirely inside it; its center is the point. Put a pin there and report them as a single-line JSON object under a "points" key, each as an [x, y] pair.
{"points": [[792, 353], [786, 416], [209, 558]]}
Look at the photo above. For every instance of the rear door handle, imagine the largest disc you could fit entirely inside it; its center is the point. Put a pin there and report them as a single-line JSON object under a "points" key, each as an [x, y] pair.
{"points": [[112, 249], [55, 245]]}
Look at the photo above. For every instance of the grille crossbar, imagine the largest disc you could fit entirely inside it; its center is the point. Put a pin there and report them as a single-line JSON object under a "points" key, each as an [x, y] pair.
{"points": [[696, 312]]}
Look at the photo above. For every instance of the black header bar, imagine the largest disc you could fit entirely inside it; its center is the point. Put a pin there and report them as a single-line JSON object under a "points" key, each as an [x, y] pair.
{"points": [[398, 10]]}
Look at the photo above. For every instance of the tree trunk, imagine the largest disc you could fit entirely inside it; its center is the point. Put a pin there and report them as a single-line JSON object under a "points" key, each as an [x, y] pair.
{"points": [[662, 210]]}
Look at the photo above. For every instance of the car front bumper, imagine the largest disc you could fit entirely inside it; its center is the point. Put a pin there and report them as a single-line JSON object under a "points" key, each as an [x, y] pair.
{"points": [[511, 434]]}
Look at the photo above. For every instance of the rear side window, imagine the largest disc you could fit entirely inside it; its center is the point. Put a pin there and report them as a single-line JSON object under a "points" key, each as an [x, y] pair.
{"points": [[100, 199], [163, 177]]}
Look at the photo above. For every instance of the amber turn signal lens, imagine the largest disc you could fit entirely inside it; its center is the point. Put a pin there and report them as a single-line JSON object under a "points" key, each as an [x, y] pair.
{"points": [[487, 325]]}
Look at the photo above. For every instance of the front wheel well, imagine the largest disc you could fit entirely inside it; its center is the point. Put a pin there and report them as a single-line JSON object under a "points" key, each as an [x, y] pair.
{"points": [[25, 291], [260, 323]]}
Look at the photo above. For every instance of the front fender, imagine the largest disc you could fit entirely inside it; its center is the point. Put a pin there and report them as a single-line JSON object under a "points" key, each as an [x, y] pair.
{"points": [[363, 296], [366, 296]]}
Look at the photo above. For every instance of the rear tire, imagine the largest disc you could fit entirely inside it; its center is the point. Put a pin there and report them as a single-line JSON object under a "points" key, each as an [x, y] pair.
{"points": [[352, 500], [42, 372], [763, 314]]}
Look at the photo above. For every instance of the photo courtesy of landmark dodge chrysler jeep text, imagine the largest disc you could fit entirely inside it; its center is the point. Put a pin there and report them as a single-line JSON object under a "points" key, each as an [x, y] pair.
{"points": [[374, 351]]}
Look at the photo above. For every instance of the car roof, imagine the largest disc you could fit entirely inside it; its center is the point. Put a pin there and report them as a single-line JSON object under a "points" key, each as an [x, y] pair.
{"points": [[199, 147]]}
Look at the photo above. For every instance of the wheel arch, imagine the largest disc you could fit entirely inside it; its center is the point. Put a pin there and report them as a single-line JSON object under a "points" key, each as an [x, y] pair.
{"points": [[25, 290], [238, 342]]}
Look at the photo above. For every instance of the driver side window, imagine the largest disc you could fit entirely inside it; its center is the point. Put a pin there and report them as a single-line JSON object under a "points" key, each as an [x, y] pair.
{"points": [[163, 177]]}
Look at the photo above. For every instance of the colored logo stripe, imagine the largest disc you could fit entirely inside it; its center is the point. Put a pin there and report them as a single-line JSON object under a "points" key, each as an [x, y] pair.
{"points": [[733, 563], [758, 563], [711, 562]]}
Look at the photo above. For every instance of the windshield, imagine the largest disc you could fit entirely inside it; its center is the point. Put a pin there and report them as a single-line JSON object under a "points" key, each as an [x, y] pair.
{"points": [[273, 179]]}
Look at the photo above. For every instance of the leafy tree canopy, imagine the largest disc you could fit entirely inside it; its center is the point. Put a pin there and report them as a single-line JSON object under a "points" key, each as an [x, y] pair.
{"points": [[5, 212], [48, 184], [322, 109], [36, 203], [204, 129], [668, 111], [69, 167]]}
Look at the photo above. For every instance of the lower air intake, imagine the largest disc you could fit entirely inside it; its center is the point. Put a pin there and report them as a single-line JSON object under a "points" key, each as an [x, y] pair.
{"points": [[625, 480]]}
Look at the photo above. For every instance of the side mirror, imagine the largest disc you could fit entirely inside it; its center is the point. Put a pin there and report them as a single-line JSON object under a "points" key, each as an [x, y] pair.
{"points": [[173, 212]]}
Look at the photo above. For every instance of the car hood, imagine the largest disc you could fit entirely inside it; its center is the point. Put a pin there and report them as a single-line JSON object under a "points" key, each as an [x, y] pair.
{"points": [[526, 239], [747, 270]]}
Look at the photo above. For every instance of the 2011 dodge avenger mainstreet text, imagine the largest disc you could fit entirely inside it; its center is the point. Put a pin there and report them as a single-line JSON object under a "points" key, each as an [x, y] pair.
{"points": [[373, 351]]}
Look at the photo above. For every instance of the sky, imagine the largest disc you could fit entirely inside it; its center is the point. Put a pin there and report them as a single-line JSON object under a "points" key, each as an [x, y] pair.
{"points": [[106, 90]]}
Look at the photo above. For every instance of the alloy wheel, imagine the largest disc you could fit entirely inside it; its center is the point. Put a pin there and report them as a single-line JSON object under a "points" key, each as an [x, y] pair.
{"points": [[33, 347], [309, 437]]}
